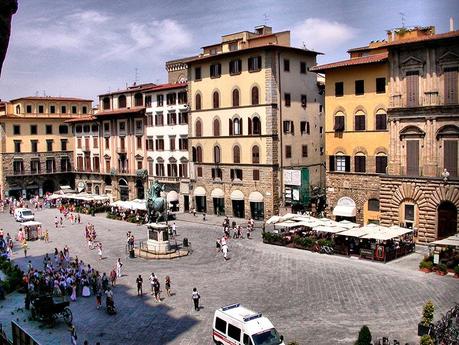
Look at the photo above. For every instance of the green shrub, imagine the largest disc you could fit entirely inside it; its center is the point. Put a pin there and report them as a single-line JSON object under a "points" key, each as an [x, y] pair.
{"points": [[426, 340], [324, 242], [13, 273], [456, 269], [426, 264], [271, 237], [364, 336], [442, 268], [305, 242], [428, 313]]}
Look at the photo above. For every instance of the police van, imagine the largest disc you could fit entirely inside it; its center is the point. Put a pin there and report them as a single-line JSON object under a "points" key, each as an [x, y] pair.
{"points": [[237, 325]]}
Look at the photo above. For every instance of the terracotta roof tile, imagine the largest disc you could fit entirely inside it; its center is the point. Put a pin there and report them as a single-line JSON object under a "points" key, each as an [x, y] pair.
{"points": [[351, 62], [81, 119], [449, 34], [118, 112], [49, 98], [168, 86]]}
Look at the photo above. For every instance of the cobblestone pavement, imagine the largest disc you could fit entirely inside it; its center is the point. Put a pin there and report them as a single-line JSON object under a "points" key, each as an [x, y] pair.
{"points": [[310, 298]]}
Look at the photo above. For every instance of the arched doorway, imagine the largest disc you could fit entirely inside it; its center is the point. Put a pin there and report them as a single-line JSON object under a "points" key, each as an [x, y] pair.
{"points": [[200, 199], [48, 186], [140, 189], [447, 219], [124, 189], [345, 209], [237, 200]]}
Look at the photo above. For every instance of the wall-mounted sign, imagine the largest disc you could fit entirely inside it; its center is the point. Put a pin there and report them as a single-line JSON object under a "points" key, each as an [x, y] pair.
{"points": [[292, 177]]}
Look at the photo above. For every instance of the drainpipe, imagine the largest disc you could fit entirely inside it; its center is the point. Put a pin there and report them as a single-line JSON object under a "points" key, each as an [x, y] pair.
{"points": [[281, 151]]}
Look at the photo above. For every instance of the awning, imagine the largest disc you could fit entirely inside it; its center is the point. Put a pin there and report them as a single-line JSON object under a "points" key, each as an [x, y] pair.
{"points": [[273, 220], [449, 241], [345, 211], [329, 229], [356, 232], [347, 224], [172, 196], [199, 191], [256, 197], [217, 193], [237, 195], [31, 223]]}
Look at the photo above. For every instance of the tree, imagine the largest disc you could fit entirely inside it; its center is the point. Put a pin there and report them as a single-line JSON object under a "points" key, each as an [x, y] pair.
{"points": [[364, 336]]}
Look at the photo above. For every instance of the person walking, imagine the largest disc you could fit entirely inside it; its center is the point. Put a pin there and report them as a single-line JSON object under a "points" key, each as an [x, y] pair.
{"points": [[174, 229], [73, 334], [46, 236], [118, 267], [168, 286], [195, 297], [157, 289], [100, 250], [113, 275], [139, 282], [152, 281], [24, 247], [98, 298]]}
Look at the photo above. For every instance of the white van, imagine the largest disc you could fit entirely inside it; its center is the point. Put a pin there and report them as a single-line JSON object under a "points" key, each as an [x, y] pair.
{"points": [[23, 214], [237, 325]]}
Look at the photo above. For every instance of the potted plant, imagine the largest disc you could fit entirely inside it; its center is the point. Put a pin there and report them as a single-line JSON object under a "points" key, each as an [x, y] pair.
{"points": [[426, 266], [456, 271], [442, 269], [427, 318], [426, 340]]}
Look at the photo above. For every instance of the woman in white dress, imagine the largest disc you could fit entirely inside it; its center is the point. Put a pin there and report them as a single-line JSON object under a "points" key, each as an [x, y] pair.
{"points": [[86, 292]]}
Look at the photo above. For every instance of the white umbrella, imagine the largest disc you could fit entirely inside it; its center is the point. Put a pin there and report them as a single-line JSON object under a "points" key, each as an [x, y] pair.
{"points": [[273, 220]]}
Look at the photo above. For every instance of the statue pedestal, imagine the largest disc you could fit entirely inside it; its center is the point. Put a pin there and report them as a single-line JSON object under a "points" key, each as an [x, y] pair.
{"points": [[158, 238]]}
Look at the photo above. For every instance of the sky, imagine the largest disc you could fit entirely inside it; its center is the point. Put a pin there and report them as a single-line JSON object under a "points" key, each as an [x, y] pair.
{"points": [[83, 48]]}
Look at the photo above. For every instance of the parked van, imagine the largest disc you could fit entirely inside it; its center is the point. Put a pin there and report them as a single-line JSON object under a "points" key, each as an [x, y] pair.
{"points": [[23, 214], [237, 325]]}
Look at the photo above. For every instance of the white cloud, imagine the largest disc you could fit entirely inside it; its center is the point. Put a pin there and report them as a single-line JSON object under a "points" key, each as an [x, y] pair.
{"points": [[321, 35]]}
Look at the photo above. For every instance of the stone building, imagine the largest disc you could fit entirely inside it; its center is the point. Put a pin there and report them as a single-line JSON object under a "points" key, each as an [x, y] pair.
{"points": [[255, 114], [36, 152]]}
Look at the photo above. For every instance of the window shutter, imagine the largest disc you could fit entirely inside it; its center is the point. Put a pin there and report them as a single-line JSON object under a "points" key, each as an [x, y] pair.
{"points": [[230, 123], [303, 126], [241, 128], [331, 164], [250, 64], [239, 65], [450, 157], [259, 62], [250, 126], [412, 156], [412, 88], [219, 68], [292, 128], [347, 162], [450, 74]]}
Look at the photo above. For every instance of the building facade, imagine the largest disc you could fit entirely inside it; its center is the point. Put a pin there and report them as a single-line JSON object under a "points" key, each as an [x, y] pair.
{"points": [[37, 145], [255, 112]]}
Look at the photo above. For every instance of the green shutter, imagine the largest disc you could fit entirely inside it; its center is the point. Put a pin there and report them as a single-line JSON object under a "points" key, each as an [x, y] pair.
{"points": [[304, 191]]}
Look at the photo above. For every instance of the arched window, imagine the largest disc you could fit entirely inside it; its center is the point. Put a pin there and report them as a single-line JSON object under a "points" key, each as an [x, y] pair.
{"points": [[216, 127], [236, 154], [216, 154], [359, 121], [18, 109], [198, 128], [237, 126], [235, 98], [381, 120], [122, 101], [256, 126], [138, 100], [216, 100], [255, 154], [193, 154], [255, 98], [198, 154], [339, 122], [198, 101], [360, 162], [106, 103], [381, 163]]}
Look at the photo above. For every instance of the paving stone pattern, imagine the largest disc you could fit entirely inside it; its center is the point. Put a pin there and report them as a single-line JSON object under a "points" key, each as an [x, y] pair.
{"points": [[310, 298]]}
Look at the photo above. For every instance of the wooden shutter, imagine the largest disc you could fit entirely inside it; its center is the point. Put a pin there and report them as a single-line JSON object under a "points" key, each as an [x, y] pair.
{"points": [[450, 157], [412, 157], [250, 126], [331, 164], [241, 129], [347, 162], [450, 75], [412, 88], [230, 124], [259, 62]]}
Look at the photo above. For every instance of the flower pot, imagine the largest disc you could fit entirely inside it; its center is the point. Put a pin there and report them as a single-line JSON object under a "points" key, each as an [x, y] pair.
{"points": [[426, 270], [441, 273], [422, 329]]}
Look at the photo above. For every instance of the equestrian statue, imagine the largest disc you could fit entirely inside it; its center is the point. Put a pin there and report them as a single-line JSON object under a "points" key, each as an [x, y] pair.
{"points": [[156, 204]]}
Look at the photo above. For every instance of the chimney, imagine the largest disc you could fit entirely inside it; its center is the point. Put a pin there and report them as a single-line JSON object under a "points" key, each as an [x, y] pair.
{"points": [[451, 24]]}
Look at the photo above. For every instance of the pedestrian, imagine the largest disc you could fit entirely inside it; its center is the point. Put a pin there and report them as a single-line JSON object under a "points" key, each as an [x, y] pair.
{"points": [[79, 218], [157, 289], [118, 267], [152, 282], [61, 221], [113, 275], [195, 297], [100, 250], [139, 282], [174, 229], [168, 286], [73, 335], [194, 212], [204, 216], [46, 236], [56, 221], [24, 247]]}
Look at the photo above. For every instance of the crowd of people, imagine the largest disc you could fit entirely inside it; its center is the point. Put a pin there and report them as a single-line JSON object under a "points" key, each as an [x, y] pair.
{"points": [[237, 231]]}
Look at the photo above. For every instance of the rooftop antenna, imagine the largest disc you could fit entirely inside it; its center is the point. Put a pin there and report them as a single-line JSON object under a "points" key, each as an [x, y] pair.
{"points": [[265, 18], [402, 17], [304, 46]]}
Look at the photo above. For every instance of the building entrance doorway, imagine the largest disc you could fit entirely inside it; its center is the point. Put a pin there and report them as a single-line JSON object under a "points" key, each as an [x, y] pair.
{"points": [[219, 206], [124, 190], [446, 220], [140, 189], [200, 203]]}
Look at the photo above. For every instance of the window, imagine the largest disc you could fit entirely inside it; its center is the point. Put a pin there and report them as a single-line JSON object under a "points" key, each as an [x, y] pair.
{"points": [[381, 121], [64, 144], [95, 142], [256, 126], [216, 100], [182, 97], [106, 103], [122, 127], [360, 163], [139, 143], [122, 101], [198, 154], [107, 165], [138, 100], [304, 151], [255, 96], [159, 144], [199, 171], [28, 109], [63, 109], [303, 67], [198, 101], [288, 151], [412, 157], [183, 144], [107, 128], [234, 332], [288, 127], [256, 175], [217, 173], [286, 65], [41, 109], [359, 87], [254, 63], [339, 123], [287, 99], [35, 166], [172, 143], [450, 157], [160, 100], [359, 121], [159, 119], [172, 119], [236, 154], [412, 88], [96, 164], [149, 144], [215, 70], [160, 169], [16, 129], [148, 102], [33, 129], [84, 109], [18, 167], [139, 164], [235, 126], [381, 163], [78, 129], [52, 109], [339, 163], [79, 143], [373, 205], [235, 98], [49, 129], [197, 73], [217, 154], [49, 145], [198, 128], [380, 85], [339, 89], [63, 129], [150, 167], [216, 127], [305, 127], [34, 146], [304, 101], [74, 109], [255, 154], [409, 212], [236, 174], [235, 67], [171, 98], [450, 81]]}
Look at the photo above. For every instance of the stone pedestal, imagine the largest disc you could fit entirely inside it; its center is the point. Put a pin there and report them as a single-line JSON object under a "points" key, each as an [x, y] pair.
{"points": [[158, 238]]}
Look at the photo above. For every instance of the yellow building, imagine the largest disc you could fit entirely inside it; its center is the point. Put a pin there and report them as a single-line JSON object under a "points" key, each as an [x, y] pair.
{"points": [[356, 132], [255, 129], [36, 144]]}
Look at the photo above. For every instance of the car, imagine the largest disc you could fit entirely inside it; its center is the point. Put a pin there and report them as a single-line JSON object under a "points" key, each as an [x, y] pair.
{"points": [[23, 215]]}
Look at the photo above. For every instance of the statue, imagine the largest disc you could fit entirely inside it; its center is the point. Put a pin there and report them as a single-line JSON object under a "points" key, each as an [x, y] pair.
{"points": [[156, 204], [7, 9]]}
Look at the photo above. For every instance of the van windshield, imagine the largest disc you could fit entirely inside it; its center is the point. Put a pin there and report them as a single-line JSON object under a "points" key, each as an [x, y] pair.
{"points": [[27, 213], [269, 337]]}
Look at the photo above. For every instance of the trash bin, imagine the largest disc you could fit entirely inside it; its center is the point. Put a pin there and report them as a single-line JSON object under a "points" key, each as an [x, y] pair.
{"points": [[185, 242]]}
